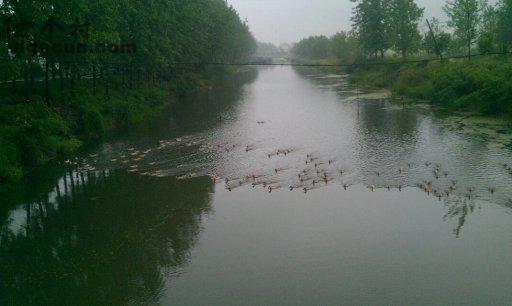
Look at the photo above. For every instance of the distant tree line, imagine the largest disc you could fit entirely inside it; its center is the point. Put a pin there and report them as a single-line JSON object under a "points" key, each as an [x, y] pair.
{"points": [[381, 26], [60, 41]]}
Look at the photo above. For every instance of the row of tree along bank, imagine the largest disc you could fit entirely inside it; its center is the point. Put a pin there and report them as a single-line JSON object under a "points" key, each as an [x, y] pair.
{"points": [[70, 72], [386, 32], [392, 28]]}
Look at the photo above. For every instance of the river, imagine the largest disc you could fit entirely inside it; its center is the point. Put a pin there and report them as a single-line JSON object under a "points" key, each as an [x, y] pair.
{"points": [[390, 204]]}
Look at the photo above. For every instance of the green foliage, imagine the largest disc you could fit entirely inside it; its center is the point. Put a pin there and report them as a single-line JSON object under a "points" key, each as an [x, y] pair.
{"points": [[504, 24], [486, 43], [483, 86], [164, 32], [371, 25], [383, 26], [33, 132], [341, 47], [10, 168], [314, 47], [436, 40], [404, 16], [464, 19]]}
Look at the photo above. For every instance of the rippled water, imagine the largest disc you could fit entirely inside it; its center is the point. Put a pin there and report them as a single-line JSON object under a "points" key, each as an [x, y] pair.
{"points": [[389, 205]]}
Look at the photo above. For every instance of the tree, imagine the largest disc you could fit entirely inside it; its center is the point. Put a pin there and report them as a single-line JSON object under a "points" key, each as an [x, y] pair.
{"points": [[486, 43], [371, 25], [464, 19], [488, 28], [338, 46], [504, 25], [404, 16], [436, 36], [314, 47]]}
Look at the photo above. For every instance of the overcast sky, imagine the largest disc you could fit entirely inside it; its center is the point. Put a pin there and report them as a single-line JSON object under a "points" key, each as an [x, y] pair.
{"points": [[279, 21]]}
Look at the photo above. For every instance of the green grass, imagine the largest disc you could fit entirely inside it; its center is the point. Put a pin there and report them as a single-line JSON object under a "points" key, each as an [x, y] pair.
{"points": [[483, 86]]}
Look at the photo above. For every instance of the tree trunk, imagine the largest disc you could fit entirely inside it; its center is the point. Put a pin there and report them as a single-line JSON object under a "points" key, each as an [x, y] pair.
{"points": [[53, 71], [46, 81], [131, 77], [106, 82], [72, 82], [94, 80], [61, 79], [469, 48], [123, 82], [26, 83]]}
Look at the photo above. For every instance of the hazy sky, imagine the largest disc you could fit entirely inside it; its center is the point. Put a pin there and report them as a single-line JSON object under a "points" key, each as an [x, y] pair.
{"points": [[279, 21]]}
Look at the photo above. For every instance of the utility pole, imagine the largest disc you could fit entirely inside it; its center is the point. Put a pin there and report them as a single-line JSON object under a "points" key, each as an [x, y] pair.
{"points": [[435, 41]]}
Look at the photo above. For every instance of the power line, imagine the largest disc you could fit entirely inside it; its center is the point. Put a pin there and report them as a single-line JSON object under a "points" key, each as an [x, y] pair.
{"points": [[347, 65], [380, 63]]}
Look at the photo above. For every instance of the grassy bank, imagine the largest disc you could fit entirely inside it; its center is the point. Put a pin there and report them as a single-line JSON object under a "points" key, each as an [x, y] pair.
{"points": [[483, 86], [34, 133]]}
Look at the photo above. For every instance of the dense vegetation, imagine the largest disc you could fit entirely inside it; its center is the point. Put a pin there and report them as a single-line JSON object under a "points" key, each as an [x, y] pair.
{"points": [[392, 28], [384, 30], [71, 71]]}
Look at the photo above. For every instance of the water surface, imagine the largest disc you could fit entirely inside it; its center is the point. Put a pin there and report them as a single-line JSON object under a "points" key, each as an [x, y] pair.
{"points": [[407, 207]]}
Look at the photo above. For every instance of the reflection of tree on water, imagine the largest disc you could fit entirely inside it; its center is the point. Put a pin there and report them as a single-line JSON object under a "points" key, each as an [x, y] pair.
{"points": [[388, 139], [108, 239], [459, 208], [206, 109]]}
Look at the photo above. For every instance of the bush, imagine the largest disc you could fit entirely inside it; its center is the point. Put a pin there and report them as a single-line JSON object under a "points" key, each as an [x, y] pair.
{"points": [[33, 133]]}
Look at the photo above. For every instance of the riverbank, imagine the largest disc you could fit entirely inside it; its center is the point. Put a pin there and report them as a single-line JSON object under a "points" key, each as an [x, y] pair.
{"points": [[33, 133], [481, 86]]}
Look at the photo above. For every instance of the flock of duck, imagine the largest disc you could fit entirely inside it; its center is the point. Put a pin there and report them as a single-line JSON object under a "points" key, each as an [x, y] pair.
{"points": [[315, 175], [306, 173]]}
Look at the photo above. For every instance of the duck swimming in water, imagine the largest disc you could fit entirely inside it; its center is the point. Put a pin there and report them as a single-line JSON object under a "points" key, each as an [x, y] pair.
{"points": [[277, 170], [296, 186], [306, 189], [186, 176], [230, 179], [266, 184], [215, 177], [272, 188], [249, 148], [310, 160]]}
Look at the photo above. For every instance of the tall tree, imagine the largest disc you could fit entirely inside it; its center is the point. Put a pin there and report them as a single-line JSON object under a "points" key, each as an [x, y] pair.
{"points": [[404, 16], [504, 36], [371, 25], [488, 28], [464, 19], [314, 47], [338, 46]]}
